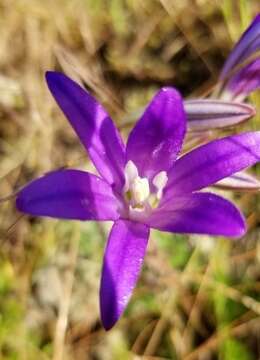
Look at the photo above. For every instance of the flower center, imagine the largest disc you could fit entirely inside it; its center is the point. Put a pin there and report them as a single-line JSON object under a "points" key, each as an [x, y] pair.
{"points": [[137, 190]]}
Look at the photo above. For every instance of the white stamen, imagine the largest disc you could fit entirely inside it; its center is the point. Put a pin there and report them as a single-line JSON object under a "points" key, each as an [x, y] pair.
{"points": [[159, 181]]}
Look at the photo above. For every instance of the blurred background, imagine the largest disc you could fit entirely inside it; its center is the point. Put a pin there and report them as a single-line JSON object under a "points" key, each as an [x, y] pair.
{"points": [[198, 296]]}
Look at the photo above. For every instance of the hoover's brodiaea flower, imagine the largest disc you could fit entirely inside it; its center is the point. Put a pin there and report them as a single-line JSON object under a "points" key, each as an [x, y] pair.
{"points": [[239, 77], [246, 46], [142, 184]]}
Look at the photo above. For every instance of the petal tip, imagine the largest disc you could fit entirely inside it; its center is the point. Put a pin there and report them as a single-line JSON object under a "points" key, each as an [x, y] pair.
{"points": [[49, 74], [108, 323], [109, 317], [22, 201], [257, 18], [19, 203], [171, 91], [52, 76], [239, 234], [253, 111], [240, 229]]}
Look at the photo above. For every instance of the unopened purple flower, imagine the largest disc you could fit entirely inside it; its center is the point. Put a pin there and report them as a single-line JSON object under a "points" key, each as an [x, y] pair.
{"points": [[241, 79], [243, 82], [247, 45], [208, 114], [238, 80], [142, 184], [240, 181]]}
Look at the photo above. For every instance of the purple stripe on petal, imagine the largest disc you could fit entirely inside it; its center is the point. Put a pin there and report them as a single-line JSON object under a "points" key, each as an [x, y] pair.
{"points": [[68, 194], [244, 81], [207, 114], [122, 264], [199, 213], [92, 125], [246, 46], [212, 162], [156, 139], [240, 181]]}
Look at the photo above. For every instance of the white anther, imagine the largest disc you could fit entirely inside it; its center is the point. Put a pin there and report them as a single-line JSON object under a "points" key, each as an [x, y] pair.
{"points": [[131, 173], [159, 181]]}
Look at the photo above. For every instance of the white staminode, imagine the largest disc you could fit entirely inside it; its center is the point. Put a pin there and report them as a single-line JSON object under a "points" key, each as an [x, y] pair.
{"points": [[131, 173], [138, 189], [159, 181]]}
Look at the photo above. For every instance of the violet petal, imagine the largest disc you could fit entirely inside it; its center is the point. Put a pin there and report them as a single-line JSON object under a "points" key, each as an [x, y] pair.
{"points": [[123, 260], [212, 162], [199, 213], [244, 81], [248, 43], [68, 194], [156, 139], [207, 114], [93, 126], [240, 181]]}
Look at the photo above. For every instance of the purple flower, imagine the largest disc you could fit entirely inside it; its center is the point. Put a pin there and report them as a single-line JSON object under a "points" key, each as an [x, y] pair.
{"points": [[240, 181], [238, 80], [243, 82], [247, 45], [142, 184], [208, 114]]}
